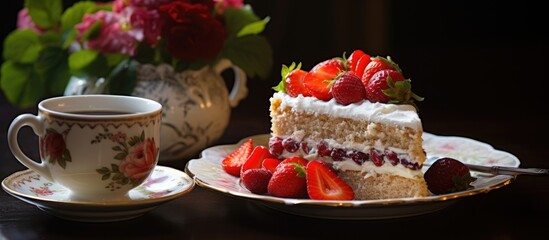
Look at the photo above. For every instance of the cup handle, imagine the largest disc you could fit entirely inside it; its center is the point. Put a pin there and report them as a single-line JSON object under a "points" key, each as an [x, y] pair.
{"points": [[239, 90], [35, 123]]}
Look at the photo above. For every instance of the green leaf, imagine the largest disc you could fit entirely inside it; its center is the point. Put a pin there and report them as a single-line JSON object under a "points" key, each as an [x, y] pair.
{"points": [[106, 177], [237, 18], [74, 14], [45, 13], [62, 163], [88, 63], [252, 53], [114, 168], [123, 77], [253, 28], [120, 156], [22, 46], [67, 155], [134, 140], [103, 170], [21, 86], [50, 39]]}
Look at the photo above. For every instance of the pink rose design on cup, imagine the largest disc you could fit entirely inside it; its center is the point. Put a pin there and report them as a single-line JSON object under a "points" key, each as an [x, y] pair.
{"points": [[137, 156], [54, 149], [140, 161]]}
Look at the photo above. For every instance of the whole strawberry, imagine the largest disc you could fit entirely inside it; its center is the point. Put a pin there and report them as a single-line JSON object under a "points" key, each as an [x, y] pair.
{"points": [[348, 89], [447, 175], [288, 180], [375, 65], [389, 86]]}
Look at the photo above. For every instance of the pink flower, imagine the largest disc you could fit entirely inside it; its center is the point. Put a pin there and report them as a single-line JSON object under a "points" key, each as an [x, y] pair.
{"points": [[145, 21], [224, 4], [118, 137], [54, 145], [112, 37], [140, 160], [24, 21], [42, 191]]}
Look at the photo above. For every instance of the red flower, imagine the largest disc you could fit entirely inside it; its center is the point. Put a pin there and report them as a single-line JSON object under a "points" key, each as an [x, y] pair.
{"points": [[54, 145], [191, 32], [140, 160]]}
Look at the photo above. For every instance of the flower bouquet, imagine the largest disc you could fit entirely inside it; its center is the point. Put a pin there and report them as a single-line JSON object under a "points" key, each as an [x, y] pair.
{"points": [[108, 39]]}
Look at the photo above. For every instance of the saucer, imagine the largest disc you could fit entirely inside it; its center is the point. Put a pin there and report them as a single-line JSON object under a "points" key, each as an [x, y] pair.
{"points": [[164, 184]]}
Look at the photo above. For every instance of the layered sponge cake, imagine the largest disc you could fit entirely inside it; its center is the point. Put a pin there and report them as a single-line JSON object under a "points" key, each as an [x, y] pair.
{"points": [[375, 146]]}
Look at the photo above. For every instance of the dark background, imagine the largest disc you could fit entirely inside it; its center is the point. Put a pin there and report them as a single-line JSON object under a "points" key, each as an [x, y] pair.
{"points": [[469, 59]]}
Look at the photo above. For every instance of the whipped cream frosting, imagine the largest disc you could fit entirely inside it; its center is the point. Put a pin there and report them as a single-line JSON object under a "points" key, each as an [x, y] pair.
{"points": [[398, 114]]}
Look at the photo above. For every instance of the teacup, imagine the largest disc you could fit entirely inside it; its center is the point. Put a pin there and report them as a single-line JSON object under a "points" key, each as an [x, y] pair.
{"points": [[97, 146]]}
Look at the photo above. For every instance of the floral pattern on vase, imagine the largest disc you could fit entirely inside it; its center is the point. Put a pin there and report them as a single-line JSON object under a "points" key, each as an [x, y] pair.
{"points": [[196, 104]]}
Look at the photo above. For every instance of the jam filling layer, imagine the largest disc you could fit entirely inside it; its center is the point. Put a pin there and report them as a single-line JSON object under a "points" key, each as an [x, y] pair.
{"points": [[278, 146]]}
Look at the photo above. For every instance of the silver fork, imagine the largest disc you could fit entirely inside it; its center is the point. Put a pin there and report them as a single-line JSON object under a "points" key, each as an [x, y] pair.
{"points": [[500, 170]]}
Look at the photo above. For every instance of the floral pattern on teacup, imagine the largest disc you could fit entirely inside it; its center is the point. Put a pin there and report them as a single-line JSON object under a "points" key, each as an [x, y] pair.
{"points": [[137, 156], [53, 147]]}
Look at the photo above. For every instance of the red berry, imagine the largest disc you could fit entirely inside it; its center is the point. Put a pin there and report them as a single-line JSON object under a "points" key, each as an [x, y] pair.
{"points": [[319, 80], [294, 83], [348, 89], [377, 157], [375, 65], [256, 158], [256, 180], [275, 146], [378, 84], [270, 164], [232, 164], [288, 180], [324, 184], [447, 175], [357, 62]]}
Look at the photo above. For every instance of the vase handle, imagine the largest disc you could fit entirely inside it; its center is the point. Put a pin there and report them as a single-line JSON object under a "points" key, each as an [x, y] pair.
{"points": [[239, 90]]}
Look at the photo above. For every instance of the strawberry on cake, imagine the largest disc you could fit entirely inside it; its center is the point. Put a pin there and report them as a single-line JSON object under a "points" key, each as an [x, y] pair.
{"points": [[357, 114]]}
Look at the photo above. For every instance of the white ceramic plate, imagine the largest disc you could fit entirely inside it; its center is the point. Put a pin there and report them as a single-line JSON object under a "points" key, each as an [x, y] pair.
{"points": [[208, 173], [163, 185]]}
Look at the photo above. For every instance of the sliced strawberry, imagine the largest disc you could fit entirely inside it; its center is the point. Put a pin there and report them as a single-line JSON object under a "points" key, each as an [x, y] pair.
{"points": [[319, 80], [324, 184], [256, 158], [292, 80], [377, 64], [348, 89], [288, 180], [232, 164], [361, 65], [352, 61], [357, 62], [270, 164]]}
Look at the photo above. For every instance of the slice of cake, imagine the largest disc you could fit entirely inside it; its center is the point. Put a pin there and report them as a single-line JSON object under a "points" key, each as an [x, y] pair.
{"points": [[374, 144]]}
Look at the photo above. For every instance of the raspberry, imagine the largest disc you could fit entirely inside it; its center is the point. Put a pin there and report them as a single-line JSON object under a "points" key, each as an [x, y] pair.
{"points": [[256, 180]]}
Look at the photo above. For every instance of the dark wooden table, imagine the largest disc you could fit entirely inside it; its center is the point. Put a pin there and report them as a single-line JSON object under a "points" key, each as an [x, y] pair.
{"points": [[516, 211]]}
